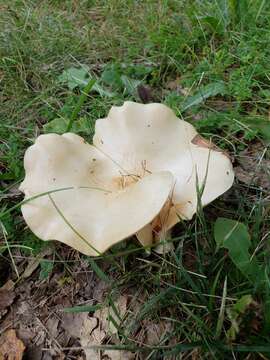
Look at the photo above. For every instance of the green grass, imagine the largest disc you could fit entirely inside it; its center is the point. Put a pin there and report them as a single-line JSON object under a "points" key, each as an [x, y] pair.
{"points": [[219, 50]]}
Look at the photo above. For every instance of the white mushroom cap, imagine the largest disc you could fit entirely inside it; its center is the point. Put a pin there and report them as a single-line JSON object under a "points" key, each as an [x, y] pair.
{"points": [[150, 138], [140, 176], [96, 211]]}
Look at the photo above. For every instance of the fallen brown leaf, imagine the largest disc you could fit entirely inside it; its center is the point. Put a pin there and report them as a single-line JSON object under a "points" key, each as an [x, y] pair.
{"points": [[109, 319], [91, 335], [108, 322], [92, 331], [118, 355], [254, 166], [7, 295], [6, 298], [154, 332], [81, 326], [74, 323], [11, 348]]}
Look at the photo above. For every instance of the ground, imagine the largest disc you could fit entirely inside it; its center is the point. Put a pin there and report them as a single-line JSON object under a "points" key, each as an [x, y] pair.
{"points": [[207, 60]]}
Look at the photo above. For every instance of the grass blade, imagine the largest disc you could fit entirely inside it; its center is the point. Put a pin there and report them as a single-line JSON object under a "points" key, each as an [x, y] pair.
{"points": [[222, 310], [98, 270], [82, 308], [80, 103]]}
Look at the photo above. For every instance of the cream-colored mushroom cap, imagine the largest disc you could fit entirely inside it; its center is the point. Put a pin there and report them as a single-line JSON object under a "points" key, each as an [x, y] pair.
{"points": [[141, 175], [79, 196], [150, 138]]}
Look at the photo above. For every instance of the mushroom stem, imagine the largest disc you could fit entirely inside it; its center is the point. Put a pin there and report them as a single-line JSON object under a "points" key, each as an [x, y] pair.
{"points": [[161, 239]]}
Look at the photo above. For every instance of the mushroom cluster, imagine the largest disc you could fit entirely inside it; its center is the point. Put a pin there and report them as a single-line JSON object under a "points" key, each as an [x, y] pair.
{"points": [[140, 176]]}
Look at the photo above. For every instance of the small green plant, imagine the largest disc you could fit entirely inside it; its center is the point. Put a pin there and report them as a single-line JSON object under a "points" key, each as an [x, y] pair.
{"points": [[235, 315], [234, 236]]}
